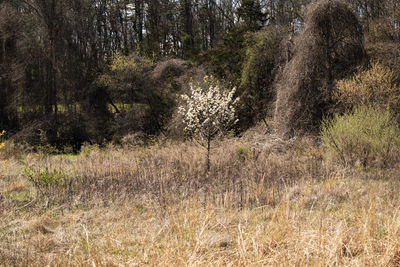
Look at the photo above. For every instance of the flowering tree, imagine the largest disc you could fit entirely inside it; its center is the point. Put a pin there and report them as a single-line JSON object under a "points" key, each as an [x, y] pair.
{"points": [[208, 113]]}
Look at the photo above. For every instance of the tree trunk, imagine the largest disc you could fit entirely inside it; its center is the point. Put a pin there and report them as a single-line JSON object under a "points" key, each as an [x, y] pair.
{"points": [[139, 20]]}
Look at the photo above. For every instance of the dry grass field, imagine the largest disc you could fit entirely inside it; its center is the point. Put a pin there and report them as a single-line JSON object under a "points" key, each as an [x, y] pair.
{"points": [[157, 206]]}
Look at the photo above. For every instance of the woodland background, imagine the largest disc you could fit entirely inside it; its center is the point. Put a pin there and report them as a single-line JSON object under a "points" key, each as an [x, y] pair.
{"points": [[93, 70]]}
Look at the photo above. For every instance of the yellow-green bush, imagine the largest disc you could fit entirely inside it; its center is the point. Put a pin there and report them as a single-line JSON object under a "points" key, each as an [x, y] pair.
{"points": [[366, 136], [2, 143], [126, 75], [374, 86]]}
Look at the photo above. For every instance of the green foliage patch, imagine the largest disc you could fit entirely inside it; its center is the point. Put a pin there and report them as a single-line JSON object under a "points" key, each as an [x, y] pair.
{"points": [[367, 136]]}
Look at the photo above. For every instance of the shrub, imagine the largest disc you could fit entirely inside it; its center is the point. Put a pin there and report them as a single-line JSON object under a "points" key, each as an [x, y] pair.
{"points": [[127, 75], [52, 184], [169, 69], [10, 149], [387, 52], [372, 86], [46, 177], [87, 149], [133, 139], [47, 149], [368, 136]]}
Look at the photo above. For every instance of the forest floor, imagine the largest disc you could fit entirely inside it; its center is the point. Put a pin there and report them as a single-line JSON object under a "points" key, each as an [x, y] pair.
{"points": [[259, 205]]}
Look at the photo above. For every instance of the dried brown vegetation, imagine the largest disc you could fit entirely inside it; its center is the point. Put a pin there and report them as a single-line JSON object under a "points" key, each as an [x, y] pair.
{"points": [[329, 48], [158, 206]]}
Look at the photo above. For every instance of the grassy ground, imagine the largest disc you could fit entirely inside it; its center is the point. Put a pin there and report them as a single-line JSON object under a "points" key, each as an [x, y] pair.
{"points": [[157, 206]]}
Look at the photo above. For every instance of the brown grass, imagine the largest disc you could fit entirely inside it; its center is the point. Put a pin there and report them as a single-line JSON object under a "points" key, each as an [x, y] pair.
{"points": [[158, 206]]}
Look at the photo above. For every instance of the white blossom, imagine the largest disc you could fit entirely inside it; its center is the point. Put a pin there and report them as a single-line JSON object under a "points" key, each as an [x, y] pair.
{"points": [[209, 112]]}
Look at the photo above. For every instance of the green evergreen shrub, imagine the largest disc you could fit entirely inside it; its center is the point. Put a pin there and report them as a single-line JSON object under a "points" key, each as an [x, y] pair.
{"points": [[258, 74]]}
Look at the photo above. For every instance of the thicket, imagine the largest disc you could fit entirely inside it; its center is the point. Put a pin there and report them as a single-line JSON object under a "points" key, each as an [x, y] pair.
{"points": [[368, 133], [330, 47]]}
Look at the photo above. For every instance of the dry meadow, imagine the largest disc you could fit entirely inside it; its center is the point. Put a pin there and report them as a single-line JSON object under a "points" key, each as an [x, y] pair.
{"points": [[259, 205]]}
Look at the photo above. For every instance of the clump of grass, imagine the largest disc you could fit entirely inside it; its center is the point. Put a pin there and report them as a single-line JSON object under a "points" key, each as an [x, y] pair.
{"points": [[243, 153], [367, 136]]}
